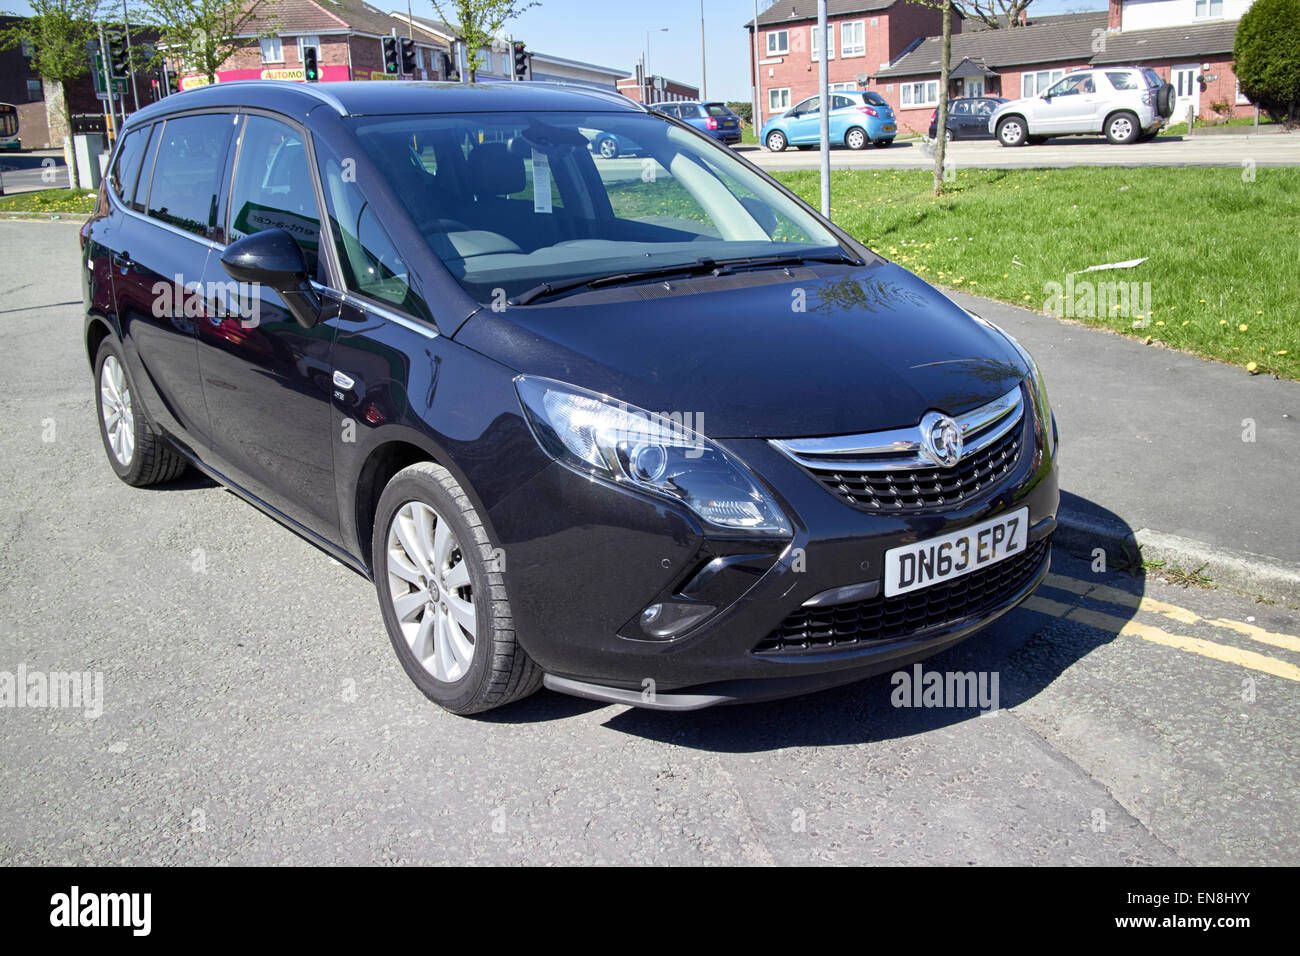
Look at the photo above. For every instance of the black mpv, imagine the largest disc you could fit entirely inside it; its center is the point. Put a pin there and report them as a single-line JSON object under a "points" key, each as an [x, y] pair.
{"points": [[642, 428]]}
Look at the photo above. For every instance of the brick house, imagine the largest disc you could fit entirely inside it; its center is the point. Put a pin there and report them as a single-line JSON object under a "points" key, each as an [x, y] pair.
{"points": [[865, 35], [347, 34], [1187, 42], [656, 89]]}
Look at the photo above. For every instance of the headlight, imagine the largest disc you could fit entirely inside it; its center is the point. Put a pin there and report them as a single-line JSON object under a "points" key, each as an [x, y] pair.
{"points": [[630, 446], [1035, 374]]}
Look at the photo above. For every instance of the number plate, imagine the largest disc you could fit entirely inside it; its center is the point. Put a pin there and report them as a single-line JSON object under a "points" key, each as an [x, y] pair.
{"points": [[889, 127], [952, 555]]}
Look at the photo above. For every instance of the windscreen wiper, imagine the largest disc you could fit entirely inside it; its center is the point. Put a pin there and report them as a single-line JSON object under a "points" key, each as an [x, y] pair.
{"points": [[702, 266]]}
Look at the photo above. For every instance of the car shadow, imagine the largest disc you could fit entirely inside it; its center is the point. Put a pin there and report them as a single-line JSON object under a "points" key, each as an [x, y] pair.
{"points": [[1027, 649]]}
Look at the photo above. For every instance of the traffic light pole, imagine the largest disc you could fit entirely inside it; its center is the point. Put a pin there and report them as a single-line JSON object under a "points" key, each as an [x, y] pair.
{"points": [[130, 58], [108, 88]]}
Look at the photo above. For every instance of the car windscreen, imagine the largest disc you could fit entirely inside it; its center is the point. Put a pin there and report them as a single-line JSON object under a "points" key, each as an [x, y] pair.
{"points": [[511, 200]]}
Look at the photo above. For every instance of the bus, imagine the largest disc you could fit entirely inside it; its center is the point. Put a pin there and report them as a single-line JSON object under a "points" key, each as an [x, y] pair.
{"points": [[9, 127]]}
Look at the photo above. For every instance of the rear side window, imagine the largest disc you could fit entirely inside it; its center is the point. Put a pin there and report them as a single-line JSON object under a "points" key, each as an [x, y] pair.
{"points": [[688, 111], [717, 109], [1122, 81], [273, 187], [126, 166], [187, 172]]}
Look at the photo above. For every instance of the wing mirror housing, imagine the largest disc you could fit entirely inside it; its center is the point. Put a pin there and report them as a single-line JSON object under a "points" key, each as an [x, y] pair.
{"points": [[273, 258]]}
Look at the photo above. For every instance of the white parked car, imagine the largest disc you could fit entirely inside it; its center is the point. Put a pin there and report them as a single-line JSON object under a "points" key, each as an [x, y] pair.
{"points": [[1126, 103]]}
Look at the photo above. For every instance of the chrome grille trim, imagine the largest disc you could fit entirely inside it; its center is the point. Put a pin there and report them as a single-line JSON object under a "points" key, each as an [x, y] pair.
{"points": [[900, 449]]}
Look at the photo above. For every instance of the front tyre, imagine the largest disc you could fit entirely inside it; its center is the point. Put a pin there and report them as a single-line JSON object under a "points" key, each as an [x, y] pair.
{"points": [[776, 141], [607, 147], [1011, 131], [1123, 128], [137, 453], [443, 595]]}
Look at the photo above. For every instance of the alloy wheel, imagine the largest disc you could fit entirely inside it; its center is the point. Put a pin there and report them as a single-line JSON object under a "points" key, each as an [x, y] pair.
{"points": [[117, 410], [429, 586]]}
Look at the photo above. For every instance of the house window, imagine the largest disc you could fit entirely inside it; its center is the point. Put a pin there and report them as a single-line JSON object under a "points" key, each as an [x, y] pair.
{"points": [[778, 42], [272, 50], [1209, 8], [1031, 84], [303, 43], [815, 45], [853, 38], [28, 49], [778, 100], [849, 87], [34, 91], [923, 93]]}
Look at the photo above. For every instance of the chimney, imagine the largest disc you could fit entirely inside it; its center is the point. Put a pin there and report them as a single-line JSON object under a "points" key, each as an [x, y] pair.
{"points": [[1116, 14]]}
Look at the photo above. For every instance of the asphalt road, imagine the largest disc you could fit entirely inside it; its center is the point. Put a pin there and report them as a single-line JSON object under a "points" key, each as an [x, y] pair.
{"points": [[1208, 149], [253, 711]]}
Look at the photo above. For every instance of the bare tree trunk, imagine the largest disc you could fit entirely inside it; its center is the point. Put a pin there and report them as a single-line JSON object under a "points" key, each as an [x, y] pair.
{"points": [[941, 121], [58, 114]]}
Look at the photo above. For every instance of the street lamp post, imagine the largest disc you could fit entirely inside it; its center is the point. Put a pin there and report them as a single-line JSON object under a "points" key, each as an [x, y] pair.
{"points": [[649, 82]]}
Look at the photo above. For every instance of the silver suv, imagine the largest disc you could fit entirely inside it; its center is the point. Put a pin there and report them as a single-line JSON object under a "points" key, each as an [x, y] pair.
{"points": [[1126, 103]]}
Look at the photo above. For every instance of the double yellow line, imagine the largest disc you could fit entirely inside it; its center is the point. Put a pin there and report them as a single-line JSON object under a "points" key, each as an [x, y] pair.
{"points": [[1130, 628]]}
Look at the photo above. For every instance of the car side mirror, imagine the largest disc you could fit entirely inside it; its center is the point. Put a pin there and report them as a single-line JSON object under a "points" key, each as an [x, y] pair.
{"points": [[273, 258]]}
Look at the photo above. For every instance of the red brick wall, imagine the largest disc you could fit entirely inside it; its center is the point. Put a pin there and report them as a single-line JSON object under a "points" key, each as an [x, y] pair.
{"points": [[895, 28], [1224, 87]]}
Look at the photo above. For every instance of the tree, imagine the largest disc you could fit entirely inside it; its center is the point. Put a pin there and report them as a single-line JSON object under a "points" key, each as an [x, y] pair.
{"points": [[1266, 57], [744, 110], [478, 22], [58, 32], [203, 33], [995, 14], [941, 114]]}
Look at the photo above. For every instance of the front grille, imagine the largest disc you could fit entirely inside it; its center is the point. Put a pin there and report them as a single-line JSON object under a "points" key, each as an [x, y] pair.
{"points": [[881, 619], [904, 491]]}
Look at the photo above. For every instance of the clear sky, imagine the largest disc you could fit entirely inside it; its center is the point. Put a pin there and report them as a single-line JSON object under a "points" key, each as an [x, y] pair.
{"points": [[613, 33]]}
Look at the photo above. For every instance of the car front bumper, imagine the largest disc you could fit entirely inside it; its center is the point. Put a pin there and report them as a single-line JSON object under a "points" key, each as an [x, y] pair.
{"points": [[584, 558]]}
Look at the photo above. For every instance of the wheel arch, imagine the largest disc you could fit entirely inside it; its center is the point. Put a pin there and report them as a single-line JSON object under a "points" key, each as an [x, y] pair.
{"points": [[97, 329]]}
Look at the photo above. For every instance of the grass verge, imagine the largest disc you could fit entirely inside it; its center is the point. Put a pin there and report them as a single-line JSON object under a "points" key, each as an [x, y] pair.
{"points": [[50, 201]]}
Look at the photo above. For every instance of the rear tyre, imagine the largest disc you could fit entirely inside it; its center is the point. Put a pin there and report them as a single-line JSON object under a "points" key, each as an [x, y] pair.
{"points": [[855, 138], [1011, 131], [443, 595], [776, 141], [1122, 128], [136, 451], [607, 146]]}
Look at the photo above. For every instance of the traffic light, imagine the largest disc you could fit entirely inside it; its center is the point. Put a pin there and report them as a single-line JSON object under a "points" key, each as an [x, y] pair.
{"points": [[310, 69], [118, 58], [173, 83], [390, 55], [521, 62], [407, 48]]}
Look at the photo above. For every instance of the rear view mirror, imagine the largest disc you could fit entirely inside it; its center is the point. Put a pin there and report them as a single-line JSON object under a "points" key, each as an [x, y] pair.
{"points": [[272, 258]]}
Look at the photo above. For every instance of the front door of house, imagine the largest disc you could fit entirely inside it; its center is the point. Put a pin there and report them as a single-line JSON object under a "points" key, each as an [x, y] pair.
{"points": [[1186, 85]]}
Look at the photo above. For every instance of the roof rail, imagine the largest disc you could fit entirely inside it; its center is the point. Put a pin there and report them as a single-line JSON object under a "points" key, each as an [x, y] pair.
{"points": [[314, 90]]}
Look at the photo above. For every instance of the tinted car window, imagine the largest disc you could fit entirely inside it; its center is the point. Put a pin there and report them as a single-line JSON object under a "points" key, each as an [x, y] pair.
{"points": [[126, 166], [273, 187], [717, 109], [875, 99], [961, 108], [187, 171], [369, 257], [984, 107]]}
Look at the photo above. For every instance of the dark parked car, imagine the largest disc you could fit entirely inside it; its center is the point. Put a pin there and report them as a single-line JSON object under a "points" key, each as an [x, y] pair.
{"points": [[715, 119], [663, 437], [968, 117]]}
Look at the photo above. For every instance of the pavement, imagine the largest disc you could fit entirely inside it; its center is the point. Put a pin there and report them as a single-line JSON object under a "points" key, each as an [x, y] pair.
{"points": [[1200, 149], [253, 711]]}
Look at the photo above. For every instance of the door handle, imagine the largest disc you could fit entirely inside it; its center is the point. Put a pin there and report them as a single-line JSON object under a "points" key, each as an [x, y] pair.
{"points": [[121, 260]]}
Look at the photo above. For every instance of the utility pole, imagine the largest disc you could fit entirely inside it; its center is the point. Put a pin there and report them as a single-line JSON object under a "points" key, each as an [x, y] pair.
{"points": [[823, 92], [704, 60], [110, 125], [758, 85]]}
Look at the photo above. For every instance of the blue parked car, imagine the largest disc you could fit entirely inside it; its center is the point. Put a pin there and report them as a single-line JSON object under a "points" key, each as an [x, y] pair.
{"points": [[716, 119], [857, 118]]}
